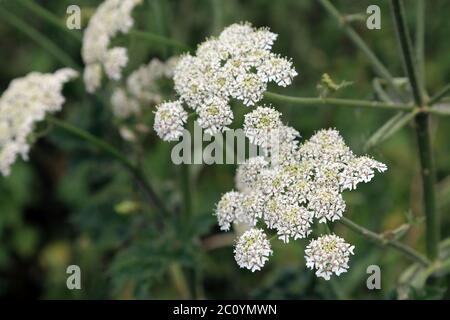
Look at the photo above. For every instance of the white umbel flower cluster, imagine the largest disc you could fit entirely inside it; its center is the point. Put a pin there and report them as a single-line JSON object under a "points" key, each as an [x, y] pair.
{"points": [[25, 102], [110, 18], [261, 124], [142, 88], [237, 64], [328, 254], [170, 118], [304, 183], [252, 250]]}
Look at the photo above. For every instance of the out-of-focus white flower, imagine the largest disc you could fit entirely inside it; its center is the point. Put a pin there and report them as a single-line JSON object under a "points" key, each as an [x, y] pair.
{"points": [[252, 250], [127, 134], [215, 115], [143, 82], [123, 106], [142, 87], [170, 118], [25, 102], [92, 77], [261, 125], [328, 254], [238, 64], [110, 18], [115, 60]]}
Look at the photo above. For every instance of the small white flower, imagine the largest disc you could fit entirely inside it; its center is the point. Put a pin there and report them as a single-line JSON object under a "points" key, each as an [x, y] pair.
{"points": [[252, 208], [328, 254], [228, 208], [248, 172], [170, 118], [326, 203], [261, 125], [278, 70], [215, 115], [361, 169], [252, 250], [249, 88]]}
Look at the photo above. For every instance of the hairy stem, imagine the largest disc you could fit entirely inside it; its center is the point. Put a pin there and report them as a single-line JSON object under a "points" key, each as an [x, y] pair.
{"points": [[137, 174], [301, 101], [422, 132], [383, 241]]}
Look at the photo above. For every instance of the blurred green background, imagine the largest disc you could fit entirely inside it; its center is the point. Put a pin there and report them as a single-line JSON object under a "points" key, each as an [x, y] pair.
{"points": [[70, 204]]}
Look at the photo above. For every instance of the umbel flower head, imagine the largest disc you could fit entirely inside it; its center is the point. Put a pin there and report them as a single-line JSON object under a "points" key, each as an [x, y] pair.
{"points": [[25, 102], [110, 18], [170, 118], [304, 183], [328, 254], [237, 64], [252, 250]]}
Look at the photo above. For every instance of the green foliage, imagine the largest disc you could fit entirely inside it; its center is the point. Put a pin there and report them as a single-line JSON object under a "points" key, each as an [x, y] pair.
{"points": [[71, 204]]}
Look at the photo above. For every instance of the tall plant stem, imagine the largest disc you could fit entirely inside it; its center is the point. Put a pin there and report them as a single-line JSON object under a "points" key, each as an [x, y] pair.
{"points": [[379, 67], [422, 132], [383, 241], [301, 101], [137, 174], [420, 42]]}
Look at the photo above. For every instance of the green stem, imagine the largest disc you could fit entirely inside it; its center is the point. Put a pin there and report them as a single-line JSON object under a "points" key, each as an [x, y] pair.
{"points": [[49, 17], [428, 184], [383, 241], [439, 95], [405, 45], [380, 69], [422, 132], [137, 174], [420, 42], [151, 37], [275, 97], [39, 38]]}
